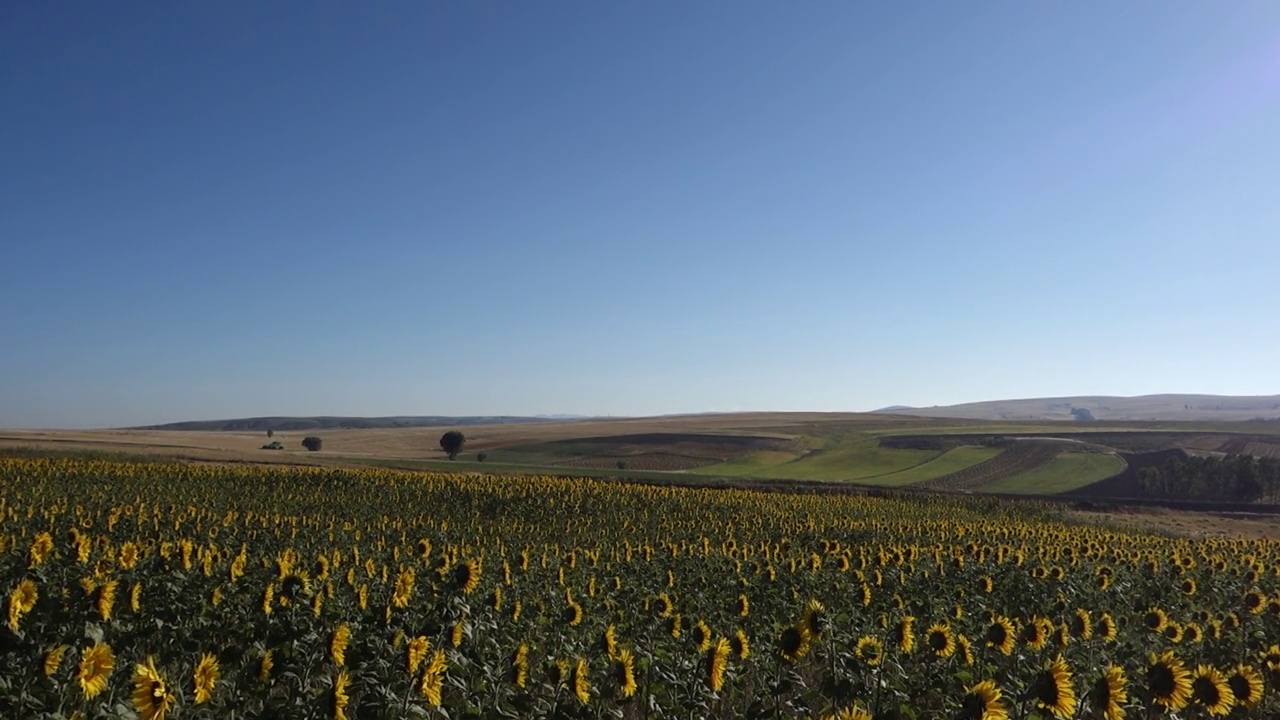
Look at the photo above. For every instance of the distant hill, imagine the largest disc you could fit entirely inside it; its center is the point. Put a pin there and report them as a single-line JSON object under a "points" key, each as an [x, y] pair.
{"points": [[286, 424], [1200, 408]]}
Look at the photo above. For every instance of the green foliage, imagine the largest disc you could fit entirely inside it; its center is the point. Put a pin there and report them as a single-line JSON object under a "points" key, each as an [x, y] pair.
{"points": [[452, 442], [312, 443]]}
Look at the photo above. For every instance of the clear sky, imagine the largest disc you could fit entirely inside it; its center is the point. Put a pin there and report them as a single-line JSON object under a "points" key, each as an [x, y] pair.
{"points": [[228, 209]]}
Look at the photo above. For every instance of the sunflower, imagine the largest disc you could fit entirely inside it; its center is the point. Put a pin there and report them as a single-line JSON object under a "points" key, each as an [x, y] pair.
{"points": [[1110, 693], [580, 683], [432, 684], [966, 649], [1053, 691], [1105, 630], [106, 598], [1210, 689], [340, 697], [701, 636], [1173, 631], [902, 635], [135, 597], [1035, 635], [869, 650], [403, 592], [717, 661], [206, 677], [794, 643], [338, 644], [572, 615], [983, 702], [151, 698], [1255, 601], [1081, 624], [1168, 681], [96, 665], [624, 673], [740, 645], [53, 660], [814, 619], [940, 640], [674, 625], [1271, 658], [853, 712], [986, 584], [663, 605], [458, 633], [41, 546], [519, 665], [1246, 685], [1191, 633], [1000, 635], [744, 606], [268, 598], [467, 576], [1188, 586], [265, 665], [21, 600], [416, 652], [1155, 619]]}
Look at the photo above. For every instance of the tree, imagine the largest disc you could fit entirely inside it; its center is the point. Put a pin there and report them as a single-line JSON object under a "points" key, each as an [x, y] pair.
{"points": [[622, 464], [452, 442], [312, 443], [481, 457], [271, 433]]}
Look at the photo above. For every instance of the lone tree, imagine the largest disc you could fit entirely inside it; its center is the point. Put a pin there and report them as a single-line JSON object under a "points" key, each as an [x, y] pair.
{"points": [[271, 433], [312, 443], [452, 442]]}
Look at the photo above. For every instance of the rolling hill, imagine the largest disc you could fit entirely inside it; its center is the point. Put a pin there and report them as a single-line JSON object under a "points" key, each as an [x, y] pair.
{"points": [[1158, 408], [287, 424]]}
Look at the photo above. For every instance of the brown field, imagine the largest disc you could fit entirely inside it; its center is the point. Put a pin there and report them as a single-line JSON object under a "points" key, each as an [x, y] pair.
{"points": [[423, 443]]}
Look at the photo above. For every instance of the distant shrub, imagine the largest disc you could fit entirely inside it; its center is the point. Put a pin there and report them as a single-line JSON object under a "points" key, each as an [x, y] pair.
{"points": [[622, 464], [274, 445], [312, 443], [481, 457], [271, 433]]}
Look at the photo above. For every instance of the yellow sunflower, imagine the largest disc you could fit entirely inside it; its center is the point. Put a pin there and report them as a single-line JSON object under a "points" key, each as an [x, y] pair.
{"points": [[1155, 619], [794, 643], [95, 668], [1110, 693], [53, 660], [519, 665], [853, 712], [1210, 690], [1106, 629], [206, 677], [1053, 690], [338, 644], [902, 635], [1000, 635], [624, 673], [940, 640], [580, 682], [432, 685], [701, 636], [740, 645], [1168, 681], [1246, 685], [983, 702], [416, 652], [717, 662], [340, 697], [151, 697]]}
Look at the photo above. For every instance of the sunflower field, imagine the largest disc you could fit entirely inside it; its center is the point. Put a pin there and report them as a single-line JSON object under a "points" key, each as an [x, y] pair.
{"points": [[165, 590]]}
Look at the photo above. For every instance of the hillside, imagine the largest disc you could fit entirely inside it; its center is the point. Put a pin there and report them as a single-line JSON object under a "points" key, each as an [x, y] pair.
{"points": [[287, 424], [1160, 408]]}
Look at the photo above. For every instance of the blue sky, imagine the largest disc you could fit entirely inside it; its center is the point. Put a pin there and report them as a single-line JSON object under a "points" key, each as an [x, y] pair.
{"points": [[231, 209]]}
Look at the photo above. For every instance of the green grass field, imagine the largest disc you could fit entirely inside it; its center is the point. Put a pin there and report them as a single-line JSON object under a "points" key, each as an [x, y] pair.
{"points": [[948, 462], [861, 459], [1067, 471]]}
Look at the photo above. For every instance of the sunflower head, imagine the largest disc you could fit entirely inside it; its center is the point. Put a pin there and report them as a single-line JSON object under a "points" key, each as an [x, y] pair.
{"points": [[1210, 689], [1168, 681], [1246, 685], [1053, 690], [983, 701]]}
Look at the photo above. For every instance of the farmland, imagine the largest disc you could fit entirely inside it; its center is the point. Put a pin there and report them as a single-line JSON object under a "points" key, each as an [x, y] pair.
{"points": [[197, 590], [730, 449]]}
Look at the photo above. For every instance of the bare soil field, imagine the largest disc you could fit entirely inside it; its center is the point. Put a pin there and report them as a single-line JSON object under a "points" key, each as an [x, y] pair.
{"points": [[1184, 523]]}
